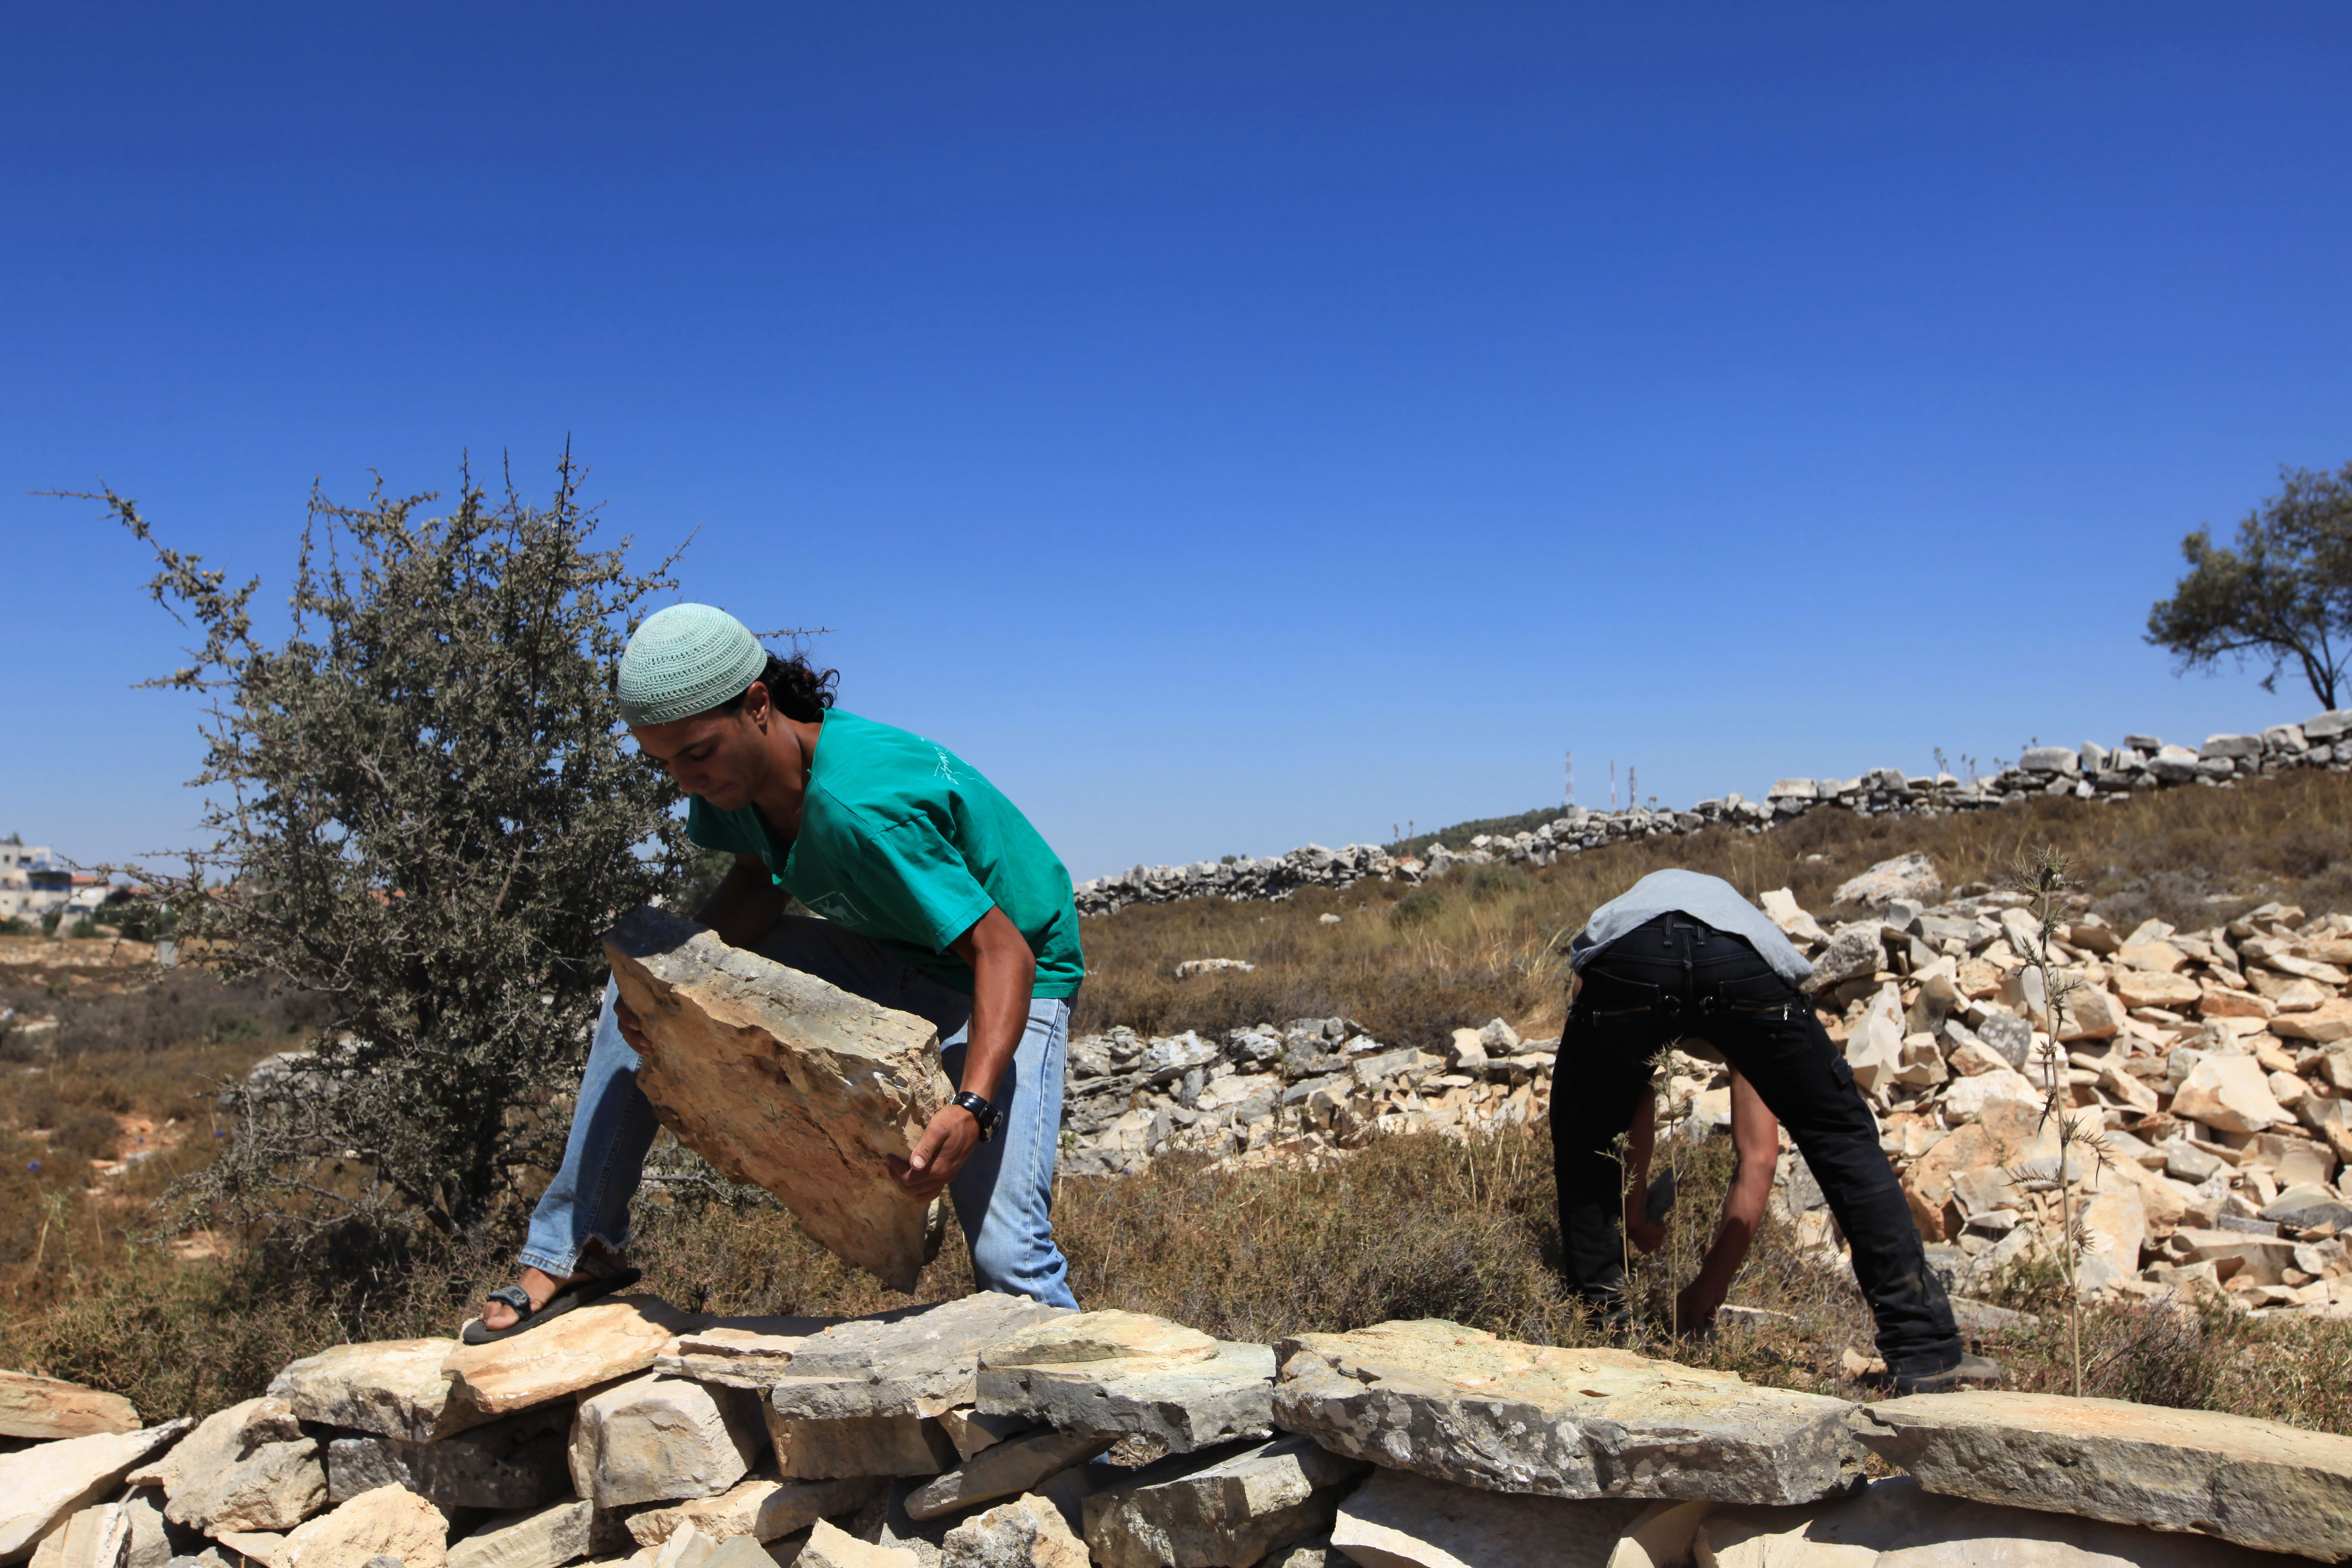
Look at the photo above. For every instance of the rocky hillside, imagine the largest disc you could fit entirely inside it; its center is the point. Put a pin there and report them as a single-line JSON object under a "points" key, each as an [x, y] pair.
{"points": [[2219, 1062], [990, 1432]]}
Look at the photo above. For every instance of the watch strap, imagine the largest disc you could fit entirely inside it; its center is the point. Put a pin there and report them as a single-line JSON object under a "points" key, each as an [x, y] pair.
{"points": [[981, 1111]]}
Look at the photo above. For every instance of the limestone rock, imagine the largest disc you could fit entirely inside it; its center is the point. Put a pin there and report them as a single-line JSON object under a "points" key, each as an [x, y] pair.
{"points": [[2229, 1093], [970, 1431], [919, 1360], [389, 1521], [1399, 1519], [656, 1439], [517, 1462], [48, 1408], [829, 1547], [688, 1548], [1027, 1532], [1459, 1405], [784, 1081], [584, 1347], [859, 1446], [96, 1537], [395, 1388], [2150, 988], [41, 1487], [248, 1466], [1004, 1470], [2257, 1483], [1217, 1510], [528, 1538], [151, 1543], [1967, 1097], [1907, 877], [260, 1546], [1118, 1375], [762, 1507], [2324, 1025], [740, 1352], [1896, 1523], [1855, 951]]}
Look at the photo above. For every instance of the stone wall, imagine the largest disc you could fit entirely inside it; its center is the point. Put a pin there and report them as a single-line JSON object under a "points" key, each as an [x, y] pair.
{"points": [[995, 1433], [2092, 771]]}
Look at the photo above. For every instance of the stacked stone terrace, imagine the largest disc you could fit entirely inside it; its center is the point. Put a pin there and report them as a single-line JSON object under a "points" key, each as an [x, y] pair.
{"points": [[995, 1433], [2092, 771]]}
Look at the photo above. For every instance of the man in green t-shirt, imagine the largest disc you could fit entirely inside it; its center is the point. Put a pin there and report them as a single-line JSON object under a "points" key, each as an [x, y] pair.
{"points": [[936, 897]]}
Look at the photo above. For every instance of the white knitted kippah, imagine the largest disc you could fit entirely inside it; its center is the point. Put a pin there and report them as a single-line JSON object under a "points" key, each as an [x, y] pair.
{"points": [[684, 660]]}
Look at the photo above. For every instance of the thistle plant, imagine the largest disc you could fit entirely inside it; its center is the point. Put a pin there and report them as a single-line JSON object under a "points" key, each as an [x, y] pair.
{"points": [[2042, 877]]}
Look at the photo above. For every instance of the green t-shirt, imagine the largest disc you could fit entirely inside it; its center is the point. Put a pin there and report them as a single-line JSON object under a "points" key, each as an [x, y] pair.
{"points": [[903, 841]]}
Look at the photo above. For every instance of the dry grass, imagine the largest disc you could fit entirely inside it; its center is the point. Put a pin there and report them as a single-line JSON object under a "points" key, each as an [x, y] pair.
{"points": [[1410, 965]]}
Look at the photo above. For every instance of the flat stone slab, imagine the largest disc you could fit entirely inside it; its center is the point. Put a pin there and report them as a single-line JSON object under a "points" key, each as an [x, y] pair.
{"points": [[1896, 1524], [1121, 1374], [1218, 1510], [586, 1346], [1459, 1405], [394, 1388], [1400, 1520], [530, 1538], [42, 1486], [385, 1522], [658, 1439], [48, 1408], [918, 1361], [786, 1083], [739, 1352], [2257, 1483]]}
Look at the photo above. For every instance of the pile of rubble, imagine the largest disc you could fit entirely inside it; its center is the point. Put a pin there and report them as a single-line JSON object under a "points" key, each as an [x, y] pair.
{"points": [[994, 1432], [2092, 771], [2217, 1063]]}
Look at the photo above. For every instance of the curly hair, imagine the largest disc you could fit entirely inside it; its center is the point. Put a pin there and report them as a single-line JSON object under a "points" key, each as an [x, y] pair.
{"points": [[800, 690]]}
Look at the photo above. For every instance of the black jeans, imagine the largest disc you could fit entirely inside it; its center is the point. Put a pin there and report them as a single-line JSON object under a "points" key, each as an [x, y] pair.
{"points": [[1677, 976]]}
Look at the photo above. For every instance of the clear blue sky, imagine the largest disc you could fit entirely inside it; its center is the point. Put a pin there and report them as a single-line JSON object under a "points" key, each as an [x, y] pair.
{"points": [[1227, 426]]}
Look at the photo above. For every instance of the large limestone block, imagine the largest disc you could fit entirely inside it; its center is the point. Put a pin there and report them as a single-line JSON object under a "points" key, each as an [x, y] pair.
{"points": [[919, 1360], [389, 1521], [395, 1388], [2116, 1221], [48, 1408], [1027, 1532], [761, 1506], [1004, 1470], [859, 1446], [247, 1467], [1459, 1405], [1119, 1374], [584, 1347], [1399, 1519], [1219, 1509], [656, 1439], [1896, 1524], [517, 1462], [42, 1487], [2258, 1483], [529, 1538], [830, 1547], [2149, 988], [2324, 1025], [786, 1083], [2232, 1094]]}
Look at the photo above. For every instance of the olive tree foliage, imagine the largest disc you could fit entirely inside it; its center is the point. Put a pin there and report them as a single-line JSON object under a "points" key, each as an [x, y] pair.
{"points": [[2283, 594], [424, 810]]}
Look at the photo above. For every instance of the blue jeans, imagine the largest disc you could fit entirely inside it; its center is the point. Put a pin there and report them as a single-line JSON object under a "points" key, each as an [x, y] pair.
{"points": [[1004, 1195]]}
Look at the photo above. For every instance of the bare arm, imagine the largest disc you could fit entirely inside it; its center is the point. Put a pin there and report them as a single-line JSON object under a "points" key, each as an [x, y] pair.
{"points": [[1640, 1142], [1004, 974], [1756, 1136]]}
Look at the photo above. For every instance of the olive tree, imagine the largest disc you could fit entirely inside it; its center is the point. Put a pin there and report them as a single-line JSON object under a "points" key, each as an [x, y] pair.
{"points": [[423, 809], [2283, 594]]}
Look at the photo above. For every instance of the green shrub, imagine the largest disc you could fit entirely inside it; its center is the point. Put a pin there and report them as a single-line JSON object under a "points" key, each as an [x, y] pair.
{"points": [[1417, 907]]}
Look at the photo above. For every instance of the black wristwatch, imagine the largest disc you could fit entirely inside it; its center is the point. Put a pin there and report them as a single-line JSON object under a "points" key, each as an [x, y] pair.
{"points": [[981, 1112]]}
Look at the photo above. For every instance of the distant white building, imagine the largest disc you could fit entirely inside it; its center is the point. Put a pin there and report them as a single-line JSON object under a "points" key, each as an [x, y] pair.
{"points": [[33, 881]]}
